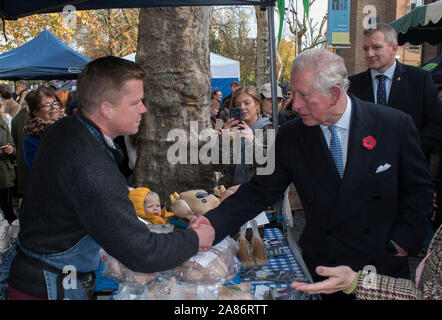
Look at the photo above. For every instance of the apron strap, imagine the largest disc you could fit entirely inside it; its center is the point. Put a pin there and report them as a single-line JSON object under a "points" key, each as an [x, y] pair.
{"points": [[45, 266]]}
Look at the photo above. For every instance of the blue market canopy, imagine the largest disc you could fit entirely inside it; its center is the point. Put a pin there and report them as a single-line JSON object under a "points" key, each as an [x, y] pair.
{"points": [[45, 57], [12, 10], [422, 24]]}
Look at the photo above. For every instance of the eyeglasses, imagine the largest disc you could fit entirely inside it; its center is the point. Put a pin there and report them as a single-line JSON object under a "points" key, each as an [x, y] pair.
{"points": [[48, 105]]}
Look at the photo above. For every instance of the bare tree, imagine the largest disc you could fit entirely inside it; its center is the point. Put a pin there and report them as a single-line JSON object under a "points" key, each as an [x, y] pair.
{"points": [[308, 33], [173, 48], [229, 37]]}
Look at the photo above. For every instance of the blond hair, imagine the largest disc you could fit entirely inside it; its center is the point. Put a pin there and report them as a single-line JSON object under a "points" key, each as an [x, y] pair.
{"points": [[251, 91], [152, 196]]}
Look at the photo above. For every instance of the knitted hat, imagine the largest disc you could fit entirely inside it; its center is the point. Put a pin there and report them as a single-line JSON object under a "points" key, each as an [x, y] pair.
{"points": [[137, 196]]}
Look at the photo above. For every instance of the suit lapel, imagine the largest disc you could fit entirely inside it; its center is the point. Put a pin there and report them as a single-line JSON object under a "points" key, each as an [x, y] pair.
{"points": [[367, 87], [397, 89], [316, 151], [359, 158]]}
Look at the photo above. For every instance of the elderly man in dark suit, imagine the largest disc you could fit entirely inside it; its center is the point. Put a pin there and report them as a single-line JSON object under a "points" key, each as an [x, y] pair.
{"points": [[357, 167], [406, 88]]}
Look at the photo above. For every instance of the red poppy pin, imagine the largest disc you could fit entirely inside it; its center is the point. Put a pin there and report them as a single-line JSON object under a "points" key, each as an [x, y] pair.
{"points": [[369, 142]]}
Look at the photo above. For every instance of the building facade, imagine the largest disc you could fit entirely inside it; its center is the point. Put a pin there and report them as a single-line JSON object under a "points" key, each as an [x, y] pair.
{"points": [[386, 12]]}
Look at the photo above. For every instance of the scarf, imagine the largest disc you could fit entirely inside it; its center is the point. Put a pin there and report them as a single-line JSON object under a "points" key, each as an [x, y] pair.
{"points": [[37, 126]]}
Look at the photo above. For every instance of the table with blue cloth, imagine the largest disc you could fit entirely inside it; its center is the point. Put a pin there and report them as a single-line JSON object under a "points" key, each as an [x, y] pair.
{"points": [[290, 261]]}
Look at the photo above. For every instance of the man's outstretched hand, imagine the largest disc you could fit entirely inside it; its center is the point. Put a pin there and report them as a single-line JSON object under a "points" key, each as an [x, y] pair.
{"points": [[206, 234]]}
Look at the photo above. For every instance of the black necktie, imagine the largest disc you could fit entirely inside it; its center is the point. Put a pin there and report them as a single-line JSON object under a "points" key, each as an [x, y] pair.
{"points": [[381, 94]]}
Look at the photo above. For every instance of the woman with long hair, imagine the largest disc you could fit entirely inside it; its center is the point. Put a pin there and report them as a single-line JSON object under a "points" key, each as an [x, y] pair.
{"points": [[44, 109], [249, 101]]}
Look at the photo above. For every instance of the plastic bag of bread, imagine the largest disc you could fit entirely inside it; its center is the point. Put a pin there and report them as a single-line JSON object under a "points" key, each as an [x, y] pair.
{"points": [[240, 291], [116, 271], [258, 246], [171, 289], [131, 292], [245, 250], [213, 267], [255, 254], [166, 288]]}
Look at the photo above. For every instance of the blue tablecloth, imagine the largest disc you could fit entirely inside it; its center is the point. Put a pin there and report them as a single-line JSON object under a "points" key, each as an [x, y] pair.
{"points": [[287, 262]]}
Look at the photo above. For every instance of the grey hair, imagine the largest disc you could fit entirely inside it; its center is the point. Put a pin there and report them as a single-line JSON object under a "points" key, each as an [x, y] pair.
{"points": [[386, 29], [329, 69]]}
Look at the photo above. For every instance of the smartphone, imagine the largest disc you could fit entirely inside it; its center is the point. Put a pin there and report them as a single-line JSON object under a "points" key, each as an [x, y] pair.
{"points": [[219, 124], [3, 147], [235, 113]]}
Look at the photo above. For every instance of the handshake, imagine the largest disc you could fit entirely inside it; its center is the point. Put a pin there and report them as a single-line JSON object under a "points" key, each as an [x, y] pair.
{"points": [[206, 234]]}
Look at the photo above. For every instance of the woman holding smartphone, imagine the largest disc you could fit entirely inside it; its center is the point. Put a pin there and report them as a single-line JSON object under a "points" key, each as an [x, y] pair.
{"points": [[245, 111]]}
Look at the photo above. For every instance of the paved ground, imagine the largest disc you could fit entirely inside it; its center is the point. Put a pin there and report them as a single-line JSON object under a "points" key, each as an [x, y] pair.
{"points": [[298, 226]]}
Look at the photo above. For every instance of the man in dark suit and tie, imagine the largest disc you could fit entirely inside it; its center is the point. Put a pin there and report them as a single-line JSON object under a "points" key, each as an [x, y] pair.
{"points": [[358, 169], [406, 88]]}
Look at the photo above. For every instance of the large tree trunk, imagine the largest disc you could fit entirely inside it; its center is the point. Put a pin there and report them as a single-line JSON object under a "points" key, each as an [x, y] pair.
{"points": [[173, 48], [262, 47]]}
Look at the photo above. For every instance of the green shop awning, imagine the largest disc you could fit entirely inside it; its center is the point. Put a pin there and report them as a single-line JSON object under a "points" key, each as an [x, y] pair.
{"points": [[422, 24], [435, 68]]}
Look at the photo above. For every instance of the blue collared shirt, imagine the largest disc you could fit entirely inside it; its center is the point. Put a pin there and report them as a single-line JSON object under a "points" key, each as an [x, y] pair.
{"points": [[389, 73]]}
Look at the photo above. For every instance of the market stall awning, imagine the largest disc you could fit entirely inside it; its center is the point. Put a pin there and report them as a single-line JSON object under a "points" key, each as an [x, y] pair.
{"points": [[11, 10], [44, 57], [422, 24]]}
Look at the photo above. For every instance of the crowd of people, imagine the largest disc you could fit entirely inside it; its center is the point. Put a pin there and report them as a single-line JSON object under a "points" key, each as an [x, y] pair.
{"points": [[360, 168], [220, 108], [25, 115]]}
